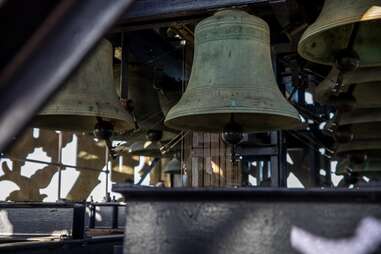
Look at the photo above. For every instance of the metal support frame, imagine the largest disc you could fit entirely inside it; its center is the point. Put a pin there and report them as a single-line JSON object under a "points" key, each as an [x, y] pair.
{"points": [[40, 217], [66, 36], [124, 69], [115, 213], [278, 162], [145, 12], [79, 221]]}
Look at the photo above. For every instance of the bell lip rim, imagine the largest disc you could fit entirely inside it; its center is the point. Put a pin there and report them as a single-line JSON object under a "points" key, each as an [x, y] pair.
{"points": [[312, 31], [293, 122]]}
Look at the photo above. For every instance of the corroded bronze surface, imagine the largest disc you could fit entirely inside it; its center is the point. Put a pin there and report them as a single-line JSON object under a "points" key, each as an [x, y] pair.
{"points": [[332, 30], [87, 95], [232, 75]]}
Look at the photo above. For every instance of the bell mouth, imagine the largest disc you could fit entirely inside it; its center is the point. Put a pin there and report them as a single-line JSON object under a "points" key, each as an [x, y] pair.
{"points": [[250, 122]]}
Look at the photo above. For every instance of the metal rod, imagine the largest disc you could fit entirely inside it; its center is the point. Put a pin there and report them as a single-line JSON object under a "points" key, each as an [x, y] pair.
{"points": [[57, 47], [4, 156], [60, 162], [124, 69], [107, 173]]}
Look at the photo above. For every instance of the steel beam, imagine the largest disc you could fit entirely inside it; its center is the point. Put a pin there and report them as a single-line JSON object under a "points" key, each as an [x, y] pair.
{"points": [[145, 12], [57, 47]]}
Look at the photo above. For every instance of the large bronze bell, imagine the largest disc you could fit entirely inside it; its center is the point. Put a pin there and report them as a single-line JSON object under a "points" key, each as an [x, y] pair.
{"points": [[232, 79], [341, 23], [365, 81], [87, 97]]}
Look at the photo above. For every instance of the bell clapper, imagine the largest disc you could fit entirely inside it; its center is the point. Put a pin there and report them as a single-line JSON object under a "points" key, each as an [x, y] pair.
{"points": [[103, 130], [232, 134]]}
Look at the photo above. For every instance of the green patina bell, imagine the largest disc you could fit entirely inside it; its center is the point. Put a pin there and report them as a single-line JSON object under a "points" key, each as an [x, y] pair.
{"points": [[340, 22], [232, 78], [87, 96]]}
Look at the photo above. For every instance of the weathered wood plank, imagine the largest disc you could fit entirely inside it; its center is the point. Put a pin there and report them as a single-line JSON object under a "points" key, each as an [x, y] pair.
{"points": [[207, 161]]}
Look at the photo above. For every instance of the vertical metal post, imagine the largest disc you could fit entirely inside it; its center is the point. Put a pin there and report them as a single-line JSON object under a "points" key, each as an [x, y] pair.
{"points": [[315, 166], [92, 216], [78, 227], [107, 173], [115, 215], [327, 168], [279, 161], [245, 171], [60, 162]]}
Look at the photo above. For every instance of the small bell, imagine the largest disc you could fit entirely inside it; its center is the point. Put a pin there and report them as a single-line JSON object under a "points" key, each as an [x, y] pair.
{"points": [[145, 148], [173, 167]]}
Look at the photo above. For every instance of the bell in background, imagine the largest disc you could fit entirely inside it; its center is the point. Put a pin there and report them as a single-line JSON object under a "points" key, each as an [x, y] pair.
{"points": [[362, 84], [360, 156], [232, 84], [145, 148], [360, 116], [359, 124], [370, 167], [88, 98], [149, 147], [343, 31], [147, 104], [173, 167], [143, 98]]}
